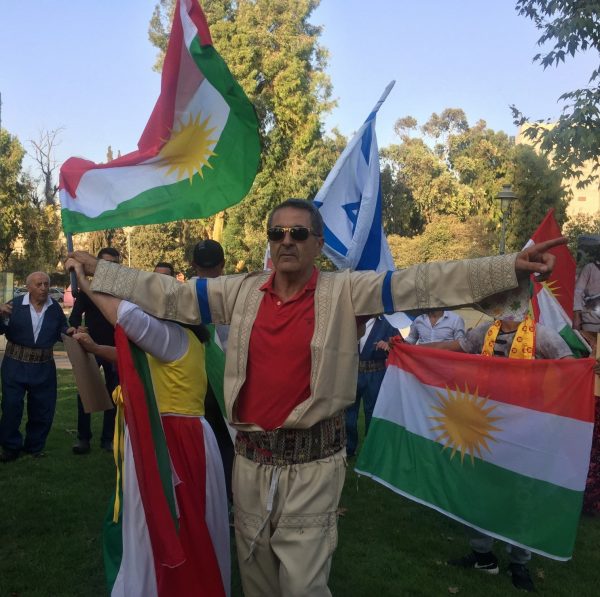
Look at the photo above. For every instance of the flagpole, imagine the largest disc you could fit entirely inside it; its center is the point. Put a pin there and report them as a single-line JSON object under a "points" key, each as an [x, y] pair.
{"points": [[72, 274], [384, 95]]}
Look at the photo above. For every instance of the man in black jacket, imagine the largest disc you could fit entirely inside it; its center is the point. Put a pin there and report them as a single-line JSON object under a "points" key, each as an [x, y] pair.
{"points": [[32, 323], [102, 332]]}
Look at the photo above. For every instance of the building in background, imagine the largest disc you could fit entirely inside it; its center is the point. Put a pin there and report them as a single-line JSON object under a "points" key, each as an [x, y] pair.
{"points": [[582, 201]]}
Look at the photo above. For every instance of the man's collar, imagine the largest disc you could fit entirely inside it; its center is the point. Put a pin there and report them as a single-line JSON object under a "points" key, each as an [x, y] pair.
{"points": [[26, 300], [310, 285]]}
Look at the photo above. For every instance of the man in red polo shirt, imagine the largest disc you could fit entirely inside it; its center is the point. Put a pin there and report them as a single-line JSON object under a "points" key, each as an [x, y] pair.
{"points": [[290, 372]]}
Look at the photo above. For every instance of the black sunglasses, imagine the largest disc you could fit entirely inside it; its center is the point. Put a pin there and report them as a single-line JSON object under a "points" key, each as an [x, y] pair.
{"points": [[299, 233]]}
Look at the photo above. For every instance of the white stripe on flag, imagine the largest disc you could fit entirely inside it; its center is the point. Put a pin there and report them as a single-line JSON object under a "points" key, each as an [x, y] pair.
{"points": [[556, 453], [112, 186]]}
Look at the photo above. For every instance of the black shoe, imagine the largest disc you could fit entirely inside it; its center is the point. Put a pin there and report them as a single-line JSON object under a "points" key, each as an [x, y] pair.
{"points": [[8, 455], [486, 562], [38, 454], [81, 447], [521, 578], [106, 446]]}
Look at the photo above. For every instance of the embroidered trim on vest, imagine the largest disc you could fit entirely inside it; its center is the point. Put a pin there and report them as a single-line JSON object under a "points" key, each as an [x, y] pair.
{"points": [[249, 310], [489, 275], [114, 279]]}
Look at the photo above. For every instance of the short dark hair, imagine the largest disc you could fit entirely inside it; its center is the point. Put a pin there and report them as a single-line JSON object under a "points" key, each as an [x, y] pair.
{"points": [[208, 253], [109, 251], [166, 265], [316, 220]]}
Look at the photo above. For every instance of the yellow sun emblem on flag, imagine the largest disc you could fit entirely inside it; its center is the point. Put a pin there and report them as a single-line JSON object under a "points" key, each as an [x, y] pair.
{"points": [[189, 148], [552, 287], [465, 422]]}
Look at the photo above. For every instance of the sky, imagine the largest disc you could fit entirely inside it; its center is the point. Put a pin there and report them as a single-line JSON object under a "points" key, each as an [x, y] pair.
{"points": [[86, 66]]}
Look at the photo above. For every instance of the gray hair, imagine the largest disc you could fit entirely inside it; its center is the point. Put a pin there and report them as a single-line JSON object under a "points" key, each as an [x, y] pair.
{"points": [[316, 220]]}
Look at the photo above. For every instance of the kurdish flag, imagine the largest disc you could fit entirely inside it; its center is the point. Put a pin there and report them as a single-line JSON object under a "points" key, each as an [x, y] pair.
{"points": [[502, 445], [552, 300], [198, 154]]}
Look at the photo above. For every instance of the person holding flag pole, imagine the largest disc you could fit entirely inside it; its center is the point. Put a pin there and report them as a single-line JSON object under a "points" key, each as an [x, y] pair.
{"points": [[290, 372]]}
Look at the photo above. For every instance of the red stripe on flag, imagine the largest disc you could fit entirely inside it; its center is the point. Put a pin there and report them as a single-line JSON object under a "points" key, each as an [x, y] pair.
{"points": [[562, 281], [159, 126], [561, 387], [185, 437], [166, 547]]}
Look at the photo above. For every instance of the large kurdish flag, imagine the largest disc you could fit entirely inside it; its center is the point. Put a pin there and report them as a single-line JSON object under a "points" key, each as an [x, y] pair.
{"points": [[198, 154], [501, 445]]}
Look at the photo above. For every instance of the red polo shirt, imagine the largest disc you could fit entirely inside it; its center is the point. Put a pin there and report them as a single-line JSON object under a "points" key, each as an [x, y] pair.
{"points": [[278, 371]]}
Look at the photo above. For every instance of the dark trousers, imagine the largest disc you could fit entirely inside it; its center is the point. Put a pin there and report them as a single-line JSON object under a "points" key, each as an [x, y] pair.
{"points": [[38, 381], [367, 389], [84, 420], [212, 413]]}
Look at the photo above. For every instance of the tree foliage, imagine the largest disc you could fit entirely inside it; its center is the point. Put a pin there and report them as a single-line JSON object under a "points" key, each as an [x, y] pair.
{"points": [[538, 188], [28, 223], [273, 51], [446, 237], [453, 175], [569, 26]]}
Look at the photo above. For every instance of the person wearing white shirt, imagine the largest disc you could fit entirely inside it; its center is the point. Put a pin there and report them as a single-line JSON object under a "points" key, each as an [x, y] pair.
{"points": [[32, 323], [436, 326]]}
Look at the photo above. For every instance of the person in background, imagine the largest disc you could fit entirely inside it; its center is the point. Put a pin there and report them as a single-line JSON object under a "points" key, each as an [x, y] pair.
{"points": [[102, 332], [132, 545], [436, 326], [208, 261], [32, 323], [586, 318], [371, 370], [164, 267], [291, 372], [511, 339]]}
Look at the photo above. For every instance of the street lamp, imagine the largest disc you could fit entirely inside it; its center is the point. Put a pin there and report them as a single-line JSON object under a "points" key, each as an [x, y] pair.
{"points": [[506, 196]]}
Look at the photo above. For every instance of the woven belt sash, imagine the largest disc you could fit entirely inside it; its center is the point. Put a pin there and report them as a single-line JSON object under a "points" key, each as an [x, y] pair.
{"points": [[370, 366], [26, 354], [281, 447]]}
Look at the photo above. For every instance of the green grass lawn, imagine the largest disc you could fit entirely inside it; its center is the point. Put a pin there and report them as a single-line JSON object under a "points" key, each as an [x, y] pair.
{"points": [[51, 513]]}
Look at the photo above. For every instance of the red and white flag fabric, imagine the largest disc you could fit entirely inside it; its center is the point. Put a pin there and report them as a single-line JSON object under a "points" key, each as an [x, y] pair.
{"points": [[552, 300], [198, 154], [502, 445]]}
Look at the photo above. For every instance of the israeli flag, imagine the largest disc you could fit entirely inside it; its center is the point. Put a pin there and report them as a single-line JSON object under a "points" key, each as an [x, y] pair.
{"points": [[350, 203]]}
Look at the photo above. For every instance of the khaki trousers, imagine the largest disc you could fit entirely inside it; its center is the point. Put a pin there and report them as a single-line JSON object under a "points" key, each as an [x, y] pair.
{"points": [[286, 525]]}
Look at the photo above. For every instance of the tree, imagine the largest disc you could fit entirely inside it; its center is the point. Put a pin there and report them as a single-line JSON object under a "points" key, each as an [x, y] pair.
{"points": [[43, 154], [578, 225], [26, 219], [446, 237], [272, 50], [481, 158], [572, 26], [538, 188], [14, 194]]}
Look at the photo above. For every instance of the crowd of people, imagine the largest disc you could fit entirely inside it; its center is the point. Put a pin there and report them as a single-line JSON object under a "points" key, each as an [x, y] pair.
{"points": [[257, 381]]}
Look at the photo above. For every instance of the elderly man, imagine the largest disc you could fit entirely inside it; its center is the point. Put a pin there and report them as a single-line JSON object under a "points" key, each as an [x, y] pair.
{"points": [[290, 372], [33, 323]]}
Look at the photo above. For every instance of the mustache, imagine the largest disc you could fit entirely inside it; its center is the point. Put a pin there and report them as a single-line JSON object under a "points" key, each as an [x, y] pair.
{"points": [[290, 252]]}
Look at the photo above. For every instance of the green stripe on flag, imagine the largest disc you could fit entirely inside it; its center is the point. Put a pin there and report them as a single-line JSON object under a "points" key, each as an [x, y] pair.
{"points": [[578, 348], [522, 510], [215, 368], [158, 435]]}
